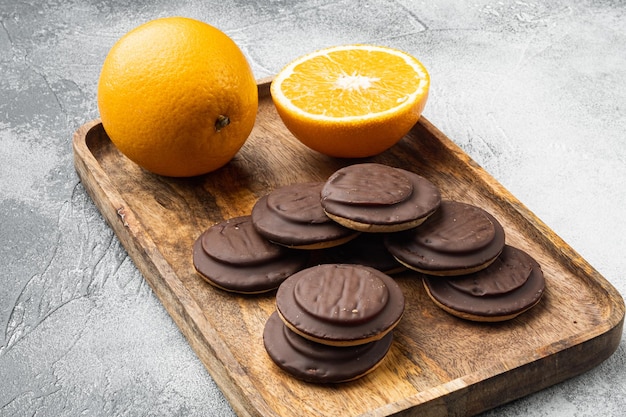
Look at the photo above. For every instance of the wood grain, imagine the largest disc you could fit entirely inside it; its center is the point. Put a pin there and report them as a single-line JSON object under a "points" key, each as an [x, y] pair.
{"points": [[438, 365]]}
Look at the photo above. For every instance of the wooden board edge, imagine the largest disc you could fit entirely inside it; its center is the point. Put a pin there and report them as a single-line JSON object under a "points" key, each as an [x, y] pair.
{"points": [[463, 397], [556, 364], [263, 85], [175, 298]]}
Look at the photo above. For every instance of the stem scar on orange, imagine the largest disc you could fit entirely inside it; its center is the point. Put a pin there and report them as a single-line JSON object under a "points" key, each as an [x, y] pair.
{"points": [[351, 101], [177, 96]]}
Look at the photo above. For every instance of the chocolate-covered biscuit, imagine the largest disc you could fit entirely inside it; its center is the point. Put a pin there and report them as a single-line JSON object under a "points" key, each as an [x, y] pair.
{"points": [[340, 304], [319, 363], [371, 197], [457, 239], [234, 242], [511, 285], [293, 216], [232, 256]]}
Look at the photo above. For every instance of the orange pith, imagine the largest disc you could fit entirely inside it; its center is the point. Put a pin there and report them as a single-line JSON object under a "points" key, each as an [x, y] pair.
{"points": [[177, 97], [353, 100]]}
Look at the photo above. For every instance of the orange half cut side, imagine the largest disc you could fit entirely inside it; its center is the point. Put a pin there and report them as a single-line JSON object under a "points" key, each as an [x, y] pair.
{"points": [[352, 100]]}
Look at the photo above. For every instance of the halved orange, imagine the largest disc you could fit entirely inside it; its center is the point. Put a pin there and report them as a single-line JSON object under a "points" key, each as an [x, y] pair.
{"points": [[351, 101]]}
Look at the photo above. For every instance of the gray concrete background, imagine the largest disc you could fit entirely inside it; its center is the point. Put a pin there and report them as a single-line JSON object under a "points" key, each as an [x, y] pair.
{"points": [[534, 91]]}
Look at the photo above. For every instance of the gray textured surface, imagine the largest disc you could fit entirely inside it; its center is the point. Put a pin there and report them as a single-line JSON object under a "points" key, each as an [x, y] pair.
{"points": [[534, 91]]}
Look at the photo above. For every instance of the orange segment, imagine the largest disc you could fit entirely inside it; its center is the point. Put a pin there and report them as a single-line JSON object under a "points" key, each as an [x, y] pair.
{"points": [[353, 100]]}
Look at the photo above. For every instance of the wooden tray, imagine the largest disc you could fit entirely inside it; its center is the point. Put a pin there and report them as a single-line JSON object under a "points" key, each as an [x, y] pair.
{"points": [[438, 365]]}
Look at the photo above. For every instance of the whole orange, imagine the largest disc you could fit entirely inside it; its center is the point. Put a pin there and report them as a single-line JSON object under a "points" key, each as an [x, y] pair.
{"points": [[177, 96]]}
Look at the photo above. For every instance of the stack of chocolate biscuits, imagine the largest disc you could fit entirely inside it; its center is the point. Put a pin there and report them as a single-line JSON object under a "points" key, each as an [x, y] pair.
{"points": [[468, 269], [233, 256], [342, 220], [460, 249], [333, 322], [328, 247]]}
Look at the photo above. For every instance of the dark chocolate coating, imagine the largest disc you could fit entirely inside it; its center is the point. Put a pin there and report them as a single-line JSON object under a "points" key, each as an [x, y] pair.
{"points": [[421, 202], [318, 363], [367, 184], [293, 216], [247, 279], [457, 237], [513, 272], [352, 298], [482, 300], [340, 304], [298, 202], [236, 241]]}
